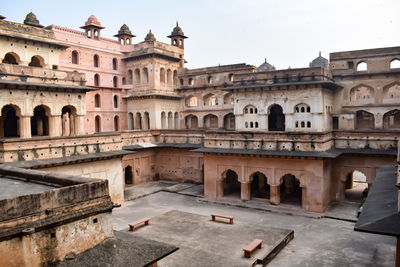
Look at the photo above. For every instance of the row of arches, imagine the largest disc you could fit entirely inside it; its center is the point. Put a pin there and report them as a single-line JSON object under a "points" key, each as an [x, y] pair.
{"points": [[365, 120], [138, 121], [300, 108], [210, 80], [13, 58], [290, 190], [96, 60], [40, 124], [209, 99], [169, 120], [98, 123], [210, 121], [366, 94], [363, 65], [141, 76]]}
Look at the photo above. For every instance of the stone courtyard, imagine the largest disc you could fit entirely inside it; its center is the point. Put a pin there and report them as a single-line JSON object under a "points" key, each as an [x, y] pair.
{"points": [[325, 240]]}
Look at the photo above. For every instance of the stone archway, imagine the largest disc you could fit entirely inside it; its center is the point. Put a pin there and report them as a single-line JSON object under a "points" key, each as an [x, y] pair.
{"points": [[230, 184], [276, 118], [259, 187], [40, 121], [10, 121], [128, 175], [290, 190], [355, 186]]}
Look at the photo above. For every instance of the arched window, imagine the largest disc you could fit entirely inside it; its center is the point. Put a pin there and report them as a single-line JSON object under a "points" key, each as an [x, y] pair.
{"points": [[251, 124], [116, 123], [249, 109], [114, 63], [302, 108], [130, 76], [145, 75], [362, 66], [191, 101], [96, 80], [256, 124], [96, 61], [175, 78], [130, 121], [230, 77], [11, 58], [303, 124], [395, 63], [97, 101], [137, 76], [209, 80], [308, 109], [181, 82], [276, 118], [115, 101], [97, 124], [169, 77], [40, 121], [210, 100], [36, 61], [308, 124], [297, 124], [191, 82], [246, 124], [123, 80], [75, 57], [115, 81], [68, 115], [162, 75]]}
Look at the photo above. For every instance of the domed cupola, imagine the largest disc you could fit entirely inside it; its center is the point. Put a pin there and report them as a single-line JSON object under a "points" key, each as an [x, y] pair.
{"points": [[92, 27], [31, 20], [2, 17], [124, 35], [150, 37], [177, 36], [265, 67], [319, 62]]}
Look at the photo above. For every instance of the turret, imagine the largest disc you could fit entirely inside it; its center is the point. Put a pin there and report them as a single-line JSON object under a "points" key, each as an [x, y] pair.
{"points": [[92, 27], [125, 35], [177, 37]]}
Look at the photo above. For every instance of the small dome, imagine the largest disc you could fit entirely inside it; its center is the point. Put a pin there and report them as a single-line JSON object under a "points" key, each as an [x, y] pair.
{"points": [[31, 20], [92, 20], [124, 30], [2, 17], [150, 37], [177, 30], [265, 67], [319, 62]]}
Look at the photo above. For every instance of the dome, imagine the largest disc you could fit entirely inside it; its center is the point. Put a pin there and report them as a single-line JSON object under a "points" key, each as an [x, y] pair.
{"points": [[2, 17], [92, 20], [265, 67], [31, 20], [124, 30], [319, 62], [177, 31], [150, 37]]}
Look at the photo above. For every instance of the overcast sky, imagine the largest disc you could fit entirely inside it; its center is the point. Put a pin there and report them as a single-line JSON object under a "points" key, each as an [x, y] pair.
{"points": [[286, 32]]}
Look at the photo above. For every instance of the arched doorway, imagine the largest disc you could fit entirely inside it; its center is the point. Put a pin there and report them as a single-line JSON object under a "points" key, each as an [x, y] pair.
{"points": [[97, 124], [229, 121], [276, 119], [356, 187], [146, 118], [391, 119], [138, 120], [364, 120], [68, 121], [231, 184], [211, 121], [191, 122], [40, 122], [10, 121], [290, 190], [128, 175], [116, 123], [130, 121], [259, 186]]}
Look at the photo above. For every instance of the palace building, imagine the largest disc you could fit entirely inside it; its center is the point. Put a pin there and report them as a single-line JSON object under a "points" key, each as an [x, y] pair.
{"points": [[126, 110]]}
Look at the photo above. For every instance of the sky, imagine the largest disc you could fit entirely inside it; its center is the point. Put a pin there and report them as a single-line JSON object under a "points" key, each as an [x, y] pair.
{"points": [[288, 33]]}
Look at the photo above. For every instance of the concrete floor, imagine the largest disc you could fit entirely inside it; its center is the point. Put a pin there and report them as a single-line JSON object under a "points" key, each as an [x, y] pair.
{"points": [[317, 242]]}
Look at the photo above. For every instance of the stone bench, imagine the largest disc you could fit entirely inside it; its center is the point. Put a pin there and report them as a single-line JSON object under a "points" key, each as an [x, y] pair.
{"points": [[256, 243], [144, 221], [213, 216]]}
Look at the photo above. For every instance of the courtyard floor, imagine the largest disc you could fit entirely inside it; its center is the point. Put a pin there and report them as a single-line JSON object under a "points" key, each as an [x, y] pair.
{"points": [[318, 240]]}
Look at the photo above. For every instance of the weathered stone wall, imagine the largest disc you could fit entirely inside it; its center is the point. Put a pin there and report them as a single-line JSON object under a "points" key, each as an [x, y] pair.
{"points": [[110, 170]]}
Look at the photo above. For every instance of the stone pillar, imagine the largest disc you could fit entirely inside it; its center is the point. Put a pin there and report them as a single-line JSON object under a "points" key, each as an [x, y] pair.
{"points": [[304, 198], [25, 127], [79, 128], [220, 188], [245, 191], [275, 194], [54, 125], [2, 126], [378, 121]]}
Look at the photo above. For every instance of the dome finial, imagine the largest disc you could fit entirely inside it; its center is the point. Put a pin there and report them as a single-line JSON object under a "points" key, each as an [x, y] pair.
{"points": [[319, 53]]}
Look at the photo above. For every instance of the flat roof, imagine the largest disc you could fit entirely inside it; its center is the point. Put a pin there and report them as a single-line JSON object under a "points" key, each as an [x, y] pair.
{"points": [[11, 187], [380, 213]]}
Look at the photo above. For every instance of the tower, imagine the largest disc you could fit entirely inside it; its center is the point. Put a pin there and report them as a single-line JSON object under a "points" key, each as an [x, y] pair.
{"points": [[177, 37], [125, 35], [92, 27]]}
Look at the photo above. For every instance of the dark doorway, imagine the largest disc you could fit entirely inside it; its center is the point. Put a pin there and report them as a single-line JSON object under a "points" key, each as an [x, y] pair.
{"points": [[259, 186], [335, 123], [128, 175], [290, 190], [356, 187], [9, 115], [231, 184], [276, 119], [39, 122]]}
